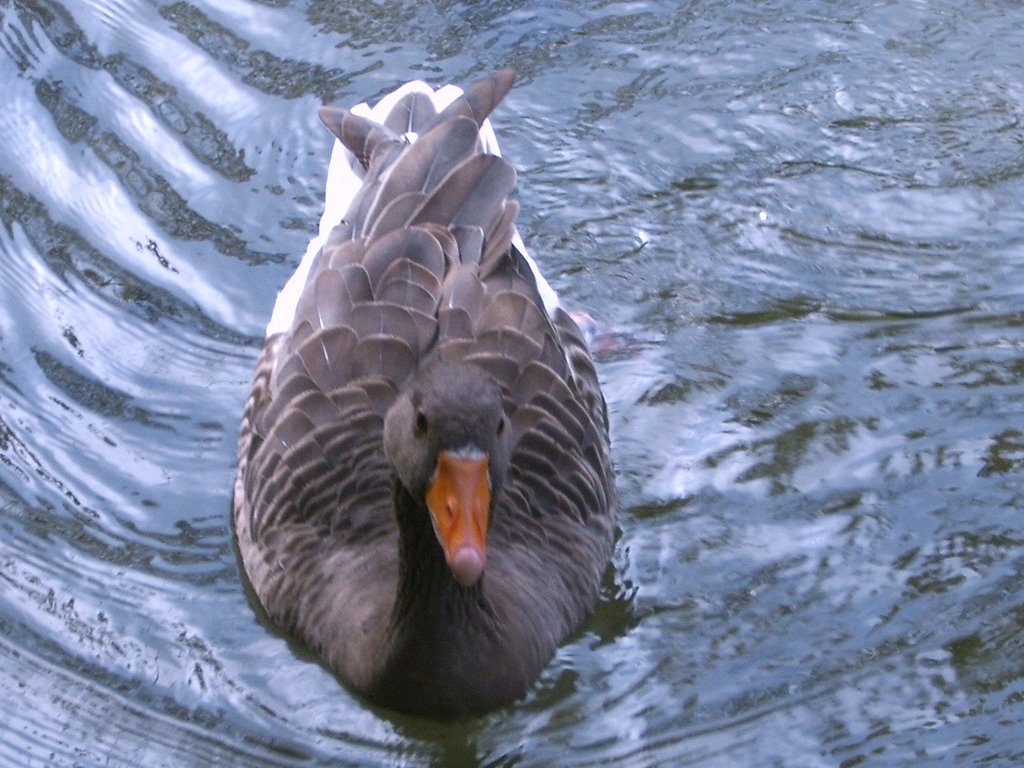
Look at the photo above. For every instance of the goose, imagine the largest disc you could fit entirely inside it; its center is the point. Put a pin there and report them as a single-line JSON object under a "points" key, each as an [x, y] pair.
{"points": [[425, 495]]}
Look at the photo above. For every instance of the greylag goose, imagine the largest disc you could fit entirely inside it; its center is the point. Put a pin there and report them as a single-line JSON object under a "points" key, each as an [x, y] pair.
{"points": [[425, 495]]}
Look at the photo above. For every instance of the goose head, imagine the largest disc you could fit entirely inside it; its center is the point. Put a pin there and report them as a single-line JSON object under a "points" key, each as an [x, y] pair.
{"points": [[446, 437]]}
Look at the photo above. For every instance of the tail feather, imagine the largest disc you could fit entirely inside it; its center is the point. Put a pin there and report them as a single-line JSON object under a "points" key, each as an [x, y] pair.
{"points": [[481, 98], [361, 136], [415, 113], [425, 158]]}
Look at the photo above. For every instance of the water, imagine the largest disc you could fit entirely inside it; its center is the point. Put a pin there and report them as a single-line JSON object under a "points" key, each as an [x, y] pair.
{"points": [[807, 218]]}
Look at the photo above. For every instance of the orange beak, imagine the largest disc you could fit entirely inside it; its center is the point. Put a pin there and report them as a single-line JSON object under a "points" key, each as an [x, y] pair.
{"points": [[459, 500]]}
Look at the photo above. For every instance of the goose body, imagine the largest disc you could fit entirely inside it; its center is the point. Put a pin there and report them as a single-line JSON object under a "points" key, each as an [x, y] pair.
{"points": [[425, 494]]}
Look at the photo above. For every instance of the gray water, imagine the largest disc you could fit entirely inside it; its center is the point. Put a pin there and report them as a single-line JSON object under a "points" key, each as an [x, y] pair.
{"points": [[803, 219]]}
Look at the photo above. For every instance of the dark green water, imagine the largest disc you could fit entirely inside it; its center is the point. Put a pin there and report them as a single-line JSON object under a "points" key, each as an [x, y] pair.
{"points": [[806, 215]]}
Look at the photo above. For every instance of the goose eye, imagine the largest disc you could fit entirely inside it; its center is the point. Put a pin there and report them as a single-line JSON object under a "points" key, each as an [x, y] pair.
{"points": [[421, 423], [501, 426]]}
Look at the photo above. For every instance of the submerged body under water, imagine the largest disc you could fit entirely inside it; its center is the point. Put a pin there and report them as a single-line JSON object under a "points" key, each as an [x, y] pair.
{"points": [[801, 226]]}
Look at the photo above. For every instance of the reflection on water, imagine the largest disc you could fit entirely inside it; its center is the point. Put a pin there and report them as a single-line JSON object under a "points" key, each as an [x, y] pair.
{"points": [[805, 228]]}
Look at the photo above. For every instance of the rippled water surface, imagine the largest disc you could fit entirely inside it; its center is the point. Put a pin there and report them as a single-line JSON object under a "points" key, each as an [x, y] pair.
{"points": [[804, 221]]}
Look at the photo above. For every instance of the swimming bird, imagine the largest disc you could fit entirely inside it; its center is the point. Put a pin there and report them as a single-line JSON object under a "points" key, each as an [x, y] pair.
{"points": [[425, 493]]}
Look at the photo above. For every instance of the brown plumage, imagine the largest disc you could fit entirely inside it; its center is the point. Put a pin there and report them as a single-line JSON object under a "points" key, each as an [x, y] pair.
{"points": [[425, 494]]}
